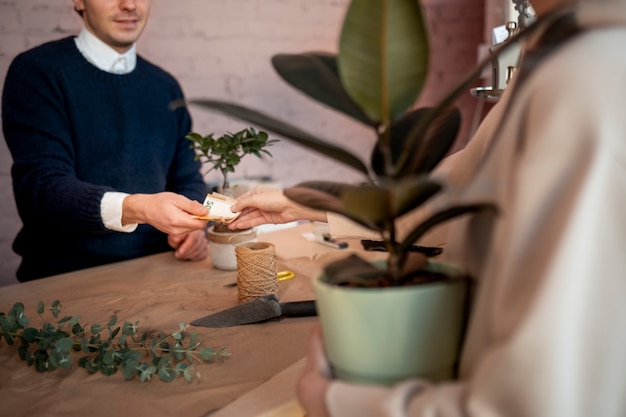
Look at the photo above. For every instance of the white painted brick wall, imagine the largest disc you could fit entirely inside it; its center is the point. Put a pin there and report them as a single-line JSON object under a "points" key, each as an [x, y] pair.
{"points": [[222, 49]]}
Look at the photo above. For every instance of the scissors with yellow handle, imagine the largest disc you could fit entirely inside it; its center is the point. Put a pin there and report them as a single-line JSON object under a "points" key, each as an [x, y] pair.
{"points": [[280, 276], [284, 275]]}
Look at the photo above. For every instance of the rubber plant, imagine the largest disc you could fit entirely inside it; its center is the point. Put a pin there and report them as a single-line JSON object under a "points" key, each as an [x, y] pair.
{"points": [[375, 78]]}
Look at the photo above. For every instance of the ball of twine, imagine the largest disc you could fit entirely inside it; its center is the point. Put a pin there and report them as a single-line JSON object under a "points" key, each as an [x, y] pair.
{"points": [[256, 270]]}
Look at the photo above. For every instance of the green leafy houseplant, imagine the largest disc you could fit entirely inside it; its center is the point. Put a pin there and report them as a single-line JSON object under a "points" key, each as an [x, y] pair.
{"points": [[104, 348], [386, 329], [375, 78], [225, 152]]}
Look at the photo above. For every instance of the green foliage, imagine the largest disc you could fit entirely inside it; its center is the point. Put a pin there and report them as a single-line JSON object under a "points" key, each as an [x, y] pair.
{"points": [[105, 349], [375, 78], [224, 153]]}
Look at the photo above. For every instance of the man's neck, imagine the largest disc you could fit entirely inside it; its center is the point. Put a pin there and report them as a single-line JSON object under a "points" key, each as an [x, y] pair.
{"points": [[103, 56]]}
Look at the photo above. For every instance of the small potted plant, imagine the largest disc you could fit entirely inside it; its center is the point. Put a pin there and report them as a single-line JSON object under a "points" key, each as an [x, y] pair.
{"points": [[409, 310], [224, 153]]}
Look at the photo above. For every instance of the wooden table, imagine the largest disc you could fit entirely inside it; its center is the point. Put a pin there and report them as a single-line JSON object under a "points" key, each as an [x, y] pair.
{"points": [[160, 292]]}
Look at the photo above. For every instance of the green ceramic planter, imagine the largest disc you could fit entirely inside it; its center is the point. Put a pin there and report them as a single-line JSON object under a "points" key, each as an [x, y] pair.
{"points": [[385, 335]]}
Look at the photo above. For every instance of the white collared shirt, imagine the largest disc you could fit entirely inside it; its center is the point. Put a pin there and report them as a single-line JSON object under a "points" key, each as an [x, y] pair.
{"points": [[103, 57]]}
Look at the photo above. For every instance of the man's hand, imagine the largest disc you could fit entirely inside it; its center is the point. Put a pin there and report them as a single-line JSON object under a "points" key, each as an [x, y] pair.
{"points": [[190, 247], [168, 212]]}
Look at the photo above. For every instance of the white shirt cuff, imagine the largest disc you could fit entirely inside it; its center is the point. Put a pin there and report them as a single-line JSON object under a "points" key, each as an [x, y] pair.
{"points": [[111, 212]]}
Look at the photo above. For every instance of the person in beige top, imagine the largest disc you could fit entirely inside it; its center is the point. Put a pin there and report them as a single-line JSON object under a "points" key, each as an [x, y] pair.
{"points": [[547, 334]]}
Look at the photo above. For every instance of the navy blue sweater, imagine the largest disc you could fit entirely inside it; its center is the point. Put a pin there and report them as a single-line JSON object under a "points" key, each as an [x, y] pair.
{"points": [[76, 132]]}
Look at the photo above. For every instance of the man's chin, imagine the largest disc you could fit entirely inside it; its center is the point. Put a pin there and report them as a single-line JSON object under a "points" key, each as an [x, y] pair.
{"points": [[124, 41]]}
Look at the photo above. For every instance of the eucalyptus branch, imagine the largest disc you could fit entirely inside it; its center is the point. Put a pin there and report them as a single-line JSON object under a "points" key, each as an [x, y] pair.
{"points": [[51, 346]]}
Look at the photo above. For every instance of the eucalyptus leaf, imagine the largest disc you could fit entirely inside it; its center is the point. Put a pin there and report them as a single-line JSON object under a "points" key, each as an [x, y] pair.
{"points": [[166, 374], [187, 374], [25, 354], [6, 330], [41, 360], [179, 351], [64, 361], [129, 329], [96, 328], [64, 345], [108, 370], [129, 369], [30, 335], [181, 366], [207, 353], [17, 315], [51, 347], [109, 357], [77, 329], [55, 308], [146, 372], [112, 321]]}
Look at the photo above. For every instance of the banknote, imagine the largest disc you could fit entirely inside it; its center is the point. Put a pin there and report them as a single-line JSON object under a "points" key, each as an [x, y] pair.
{"points": [[219, 208]]}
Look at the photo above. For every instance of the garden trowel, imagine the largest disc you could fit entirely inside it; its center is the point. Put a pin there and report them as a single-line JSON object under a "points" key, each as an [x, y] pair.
{"points": [[260, 309]]}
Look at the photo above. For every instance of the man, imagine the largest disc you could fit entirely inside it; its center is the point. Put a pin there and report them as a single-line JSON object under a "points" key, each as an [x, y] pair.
{"points": [[101, 169], [546, 336]]}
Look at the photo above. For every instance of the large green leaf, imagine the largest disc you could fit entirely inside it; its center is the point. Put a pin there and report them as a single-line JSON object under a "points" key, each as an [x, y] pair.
{"points": [[412, 192], [327, 196], [424, 152], [371, 205], [316, 75], [418, 131], [383, 56], [381, 204], [428, 149], [441, 217], [281, 128]]}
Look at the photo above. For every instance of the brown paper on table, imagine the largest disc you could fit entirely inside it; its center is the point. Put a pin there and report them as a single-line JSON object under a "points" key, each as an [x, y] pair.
{"points": [[143, 290], [274, 398]]}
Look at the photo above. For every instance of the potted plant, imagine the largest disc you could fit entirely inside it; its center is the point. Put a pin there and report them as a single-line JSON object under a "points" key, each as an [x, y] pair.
{"points": [[224, 153], [418, 305]]}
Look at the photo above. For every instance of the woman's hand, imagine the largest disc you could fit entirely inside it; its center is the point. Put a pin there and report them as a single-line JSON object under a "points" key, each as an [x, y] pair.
{"points": [[315, 378], [263, 205]]}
